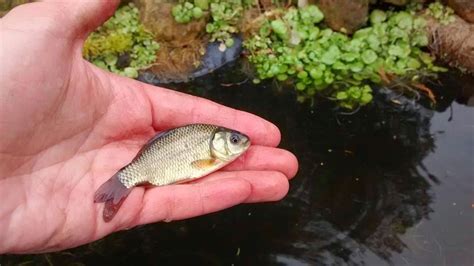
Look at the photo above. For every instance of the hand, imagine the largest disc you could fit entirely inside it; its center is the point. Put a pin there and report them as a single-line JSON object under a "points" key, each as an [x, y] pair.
{"points": [[67, 126]]}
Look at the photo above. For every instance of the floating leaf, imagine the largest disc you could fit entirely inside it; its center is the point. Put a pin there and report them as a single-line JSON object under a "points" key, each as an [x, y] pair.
{"points": [[331, 56], [377, 16], [369, 56], [342, 95]]}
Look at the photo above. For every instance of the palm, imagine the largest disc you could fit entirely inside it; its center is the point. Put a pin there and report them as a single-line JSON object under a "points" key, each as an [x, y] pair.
{"points": [[67, 126]]}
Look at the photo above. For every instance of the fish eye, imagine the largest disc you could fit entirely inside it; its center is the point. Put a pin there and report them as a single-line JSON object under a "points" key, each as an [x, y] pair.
{"points": [[234, 138]]}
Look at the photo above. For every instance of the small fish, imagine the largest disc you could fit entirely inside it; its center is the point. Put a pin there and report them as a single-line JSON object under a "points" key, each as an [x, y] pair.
{"points": [[175, 156]]}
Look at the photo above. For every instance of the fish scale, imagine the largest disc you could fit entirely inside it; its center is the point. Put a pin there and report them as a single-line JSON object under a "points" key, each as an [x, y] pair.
{"points": [[168, 159]]}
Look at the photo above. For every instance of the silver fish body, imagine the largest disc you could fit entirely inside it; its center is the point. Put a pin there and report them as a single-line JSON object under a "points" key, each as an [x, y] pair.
{"points": [[175, 156]]}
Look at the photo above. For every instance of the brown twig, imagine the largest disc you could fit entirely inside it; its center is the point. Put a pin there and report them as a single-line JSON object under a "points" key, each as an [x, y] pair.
{"points": [[425, 89], [386, 77]]}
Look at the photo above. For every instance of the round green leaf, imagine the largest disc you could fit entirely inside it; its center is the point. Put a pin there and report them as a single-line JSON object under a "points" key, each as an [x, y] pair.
{"points": [[369, 56]]}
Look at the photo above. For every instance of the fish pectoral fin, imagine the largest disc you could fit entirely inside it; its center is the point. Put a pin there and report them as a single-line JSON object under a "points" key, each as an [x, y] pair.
{"points": [[204, 164]]}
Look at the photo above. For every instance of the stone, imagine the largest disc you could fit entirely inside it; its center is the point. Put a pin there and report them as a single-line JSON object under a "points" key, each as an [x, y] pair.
{"points": [[453, 43], [345, 15], [464, 8], [181, 45]]}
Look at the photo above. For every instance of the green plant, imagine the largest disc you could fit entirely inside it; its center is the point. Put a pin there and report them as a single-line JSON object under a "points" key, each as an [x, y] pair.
{"points": [[122, 38], [185, 12], [224, 16], [294, 46], [444, 14]]}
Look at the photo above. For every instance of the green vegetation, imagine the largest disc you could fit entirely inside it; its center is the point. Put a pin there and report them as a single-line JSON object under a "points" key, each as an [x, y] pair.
{"points": [[122, 45], [293, 45], [224, 16], [184, 13], [444, 14], [288, 44]]}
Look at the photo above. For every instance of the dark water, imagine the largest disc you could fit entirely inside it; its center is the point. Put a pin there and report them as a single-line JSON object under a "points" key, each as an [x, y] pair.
{"points": [[391, 184]]}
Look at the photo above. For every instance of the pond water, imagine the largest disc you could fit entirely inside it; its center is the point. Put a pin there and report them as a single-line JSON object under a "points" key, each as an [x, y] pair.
{"points": [[390, 184]]}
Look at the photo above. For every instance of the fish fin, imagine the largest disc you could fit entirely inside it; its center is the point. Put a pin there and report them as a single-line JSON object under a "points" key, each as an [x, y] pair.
{"points": [[113, 193], [110, 209], [204, 164], [184, 180]]}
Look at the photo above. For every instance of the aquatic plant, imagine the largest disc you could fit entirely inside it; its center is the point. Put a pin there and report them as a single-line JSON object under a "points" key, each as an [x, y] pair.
{"points": [[184, 13], [292, 45], [442, 13], [122, 45], [224, 16]]}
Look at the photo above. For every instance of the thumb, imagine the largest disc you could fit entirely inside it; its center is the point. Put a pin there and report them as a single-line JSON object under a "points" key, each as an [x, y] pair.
{"points": [[84, 16]]}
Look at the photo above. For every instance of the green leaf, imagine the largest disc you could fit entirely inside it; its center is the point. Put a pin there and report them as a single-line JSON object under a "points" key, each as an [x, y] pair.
{"points": [[302, 75], [282, 77], [377, 16], [316, 74], [176, 10], [338, 65], [413, 63], [362, 33], [279, 27], [100, 64], [342, 95], [197, 12], [229, 42], [300, 86], [420, 39], [357, 67], [131, 72], [349, 57], [404, 20], [401, 51], [366, 98], [369, 56], [111, 59], [203, 4], [419, 23], [331, 55], [311, 14]]}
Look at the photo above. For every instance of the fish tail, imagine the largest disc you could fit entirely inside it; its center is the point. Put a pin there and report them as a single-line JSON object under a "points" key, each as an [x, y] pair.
{"points": [[113, 193]]}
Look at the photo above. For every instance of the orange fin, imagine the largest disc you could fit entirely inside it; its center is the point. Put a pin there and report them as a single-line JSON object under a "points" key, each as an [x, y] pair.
{"points": [[204, 164], [113, 193]]}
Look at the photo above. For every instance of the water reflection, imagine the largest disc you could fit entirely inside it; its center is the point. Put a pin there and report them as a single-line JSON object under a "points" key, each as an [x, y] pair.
{"points": [[362, 184]]}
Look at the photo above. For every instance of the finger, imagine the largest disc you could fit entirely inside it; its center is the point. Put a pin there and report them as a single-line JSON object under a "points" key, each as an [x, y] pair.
{"points": [[171, 109], [178, 202], [266, 185], [83, 17], [261, 158]]}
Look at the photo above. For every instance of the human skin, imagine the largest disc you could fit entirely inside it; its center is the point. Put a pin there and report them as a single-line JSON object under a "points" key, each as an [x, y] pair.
{"points": [[67, 126]]}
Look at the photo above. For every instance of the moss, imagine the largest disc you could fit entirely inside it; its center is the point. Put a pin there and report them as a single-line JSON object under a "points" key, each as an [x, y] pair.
{"points": [[122, 45]]}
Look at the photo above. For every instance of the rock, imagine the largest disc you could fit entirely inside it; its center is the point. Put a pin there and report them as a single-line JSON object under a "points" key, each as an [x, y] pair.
{"points": [[453, 43], [213, 59], [156, 16], [181, 45], [345, 15], [464, 8], [397, 2]]}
